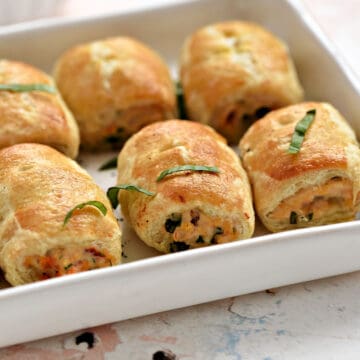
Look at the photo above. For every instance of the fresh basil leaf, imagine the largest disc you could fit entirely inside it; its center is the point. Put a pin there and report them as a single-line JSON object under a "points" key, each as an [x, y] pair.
{"points": [[110, 164], [113, 192], [175, 169], [300, 130], [99, 205], [28, 87]]}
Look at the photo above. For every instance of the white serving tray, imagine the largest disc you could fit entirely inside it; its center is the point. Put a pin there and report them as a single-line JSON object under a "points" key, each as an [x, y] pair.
{"points": [[172, 281]]}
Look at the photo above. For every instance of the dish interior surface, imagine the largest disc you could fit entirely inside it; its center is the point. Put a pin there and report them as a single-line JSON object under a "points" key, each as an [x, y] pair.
{"points": [[164, 28]]}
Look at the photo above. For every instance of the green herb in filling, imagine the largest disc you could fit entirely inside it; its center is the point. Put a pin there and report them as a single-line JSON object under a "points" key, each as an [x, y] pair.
{"points": [[218, 231], [68, 266], [172, 223], [258, 114], [200, 240], [178, 246], [293, 218], [114, 139], [310, 216]]}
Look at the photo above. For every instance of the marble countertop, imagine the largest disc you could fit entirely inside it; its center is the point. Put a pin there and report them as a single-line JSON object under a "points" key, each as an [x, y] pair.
{"points": [[313, 320]]}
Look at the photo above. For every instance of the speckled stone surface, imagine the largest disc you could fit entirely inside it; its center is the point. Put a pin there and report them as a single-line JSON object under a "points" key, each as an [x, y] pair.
{"points": [[314, 320]]}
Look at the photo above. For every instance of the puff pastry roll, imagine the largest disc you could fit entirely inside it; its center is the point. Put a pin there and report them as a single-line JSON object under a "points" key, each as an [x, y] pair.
{"points": [[320, 184], [189, 209], [114, 87], [34, 116], [38, 187], [233, 73]]}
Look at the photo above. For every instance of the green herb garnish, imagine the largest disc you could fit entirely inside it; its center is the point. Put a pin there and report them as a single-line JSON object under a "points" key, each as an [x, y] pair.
{"points": [[310, 216], [200, 240], [293, 218], [68, 266], [300, 130], [110, 164], [113, 192], [180, 101], [99, 205], [28, 87], [175, 169]]}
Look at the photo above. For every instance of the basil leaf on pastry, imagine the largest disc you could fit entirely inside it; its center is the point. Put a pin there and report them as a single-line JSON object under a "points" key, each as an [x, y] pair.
{"points": [[175, 169], [112, 192], [28, 87], [98, 204], [300, 130]]}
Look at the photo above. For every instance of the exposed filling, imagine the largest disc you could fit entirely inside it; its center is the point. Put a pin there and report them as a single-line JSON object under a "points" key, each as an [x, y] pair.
{"points": [[316, 203], [232, 121], [129, 121], [61, 261], [193, 228]]}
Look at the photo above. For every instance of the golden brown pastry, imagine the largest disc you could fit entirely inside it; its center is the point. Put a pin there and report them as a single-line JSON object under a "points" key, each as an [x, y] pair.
{"points": [[189, 209], [233, 73], [114, 87], [34, 116], [318, 185], [38, 187]]}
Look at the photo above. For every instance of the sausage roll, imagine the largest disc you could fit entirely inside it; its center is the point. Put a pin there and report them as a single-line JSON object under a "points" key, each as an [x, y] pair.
{"points": [[319, 184], [34, 116], [38, 188], [233, 73], [114, 87], [188, 209]]}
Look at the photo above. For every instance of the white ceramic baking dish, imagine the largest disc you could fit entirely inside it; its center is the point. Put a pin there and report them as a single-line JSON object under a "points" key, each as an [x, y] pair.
{"points": [[160, 283]]}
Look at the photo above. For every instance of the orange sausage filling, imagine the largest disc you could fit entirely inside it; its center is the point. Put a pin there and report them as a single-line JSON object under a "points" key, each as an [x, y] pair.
{"points": [[61, 261], [194, 228], [318, 202]]}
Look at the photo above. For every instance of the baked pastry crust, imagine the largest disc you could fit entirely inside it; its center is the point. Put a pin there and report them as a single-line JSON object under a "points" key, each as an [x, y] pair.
{"points": [[38, 186], [234, 72], [114, 87], [35, 116], [320, 184], [189, 209]]}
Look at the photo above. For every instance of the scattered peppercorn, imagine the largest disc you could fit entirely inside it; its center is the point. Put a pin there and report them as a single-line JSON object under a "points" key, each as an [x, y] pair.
{"points": [[86, 337]]}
